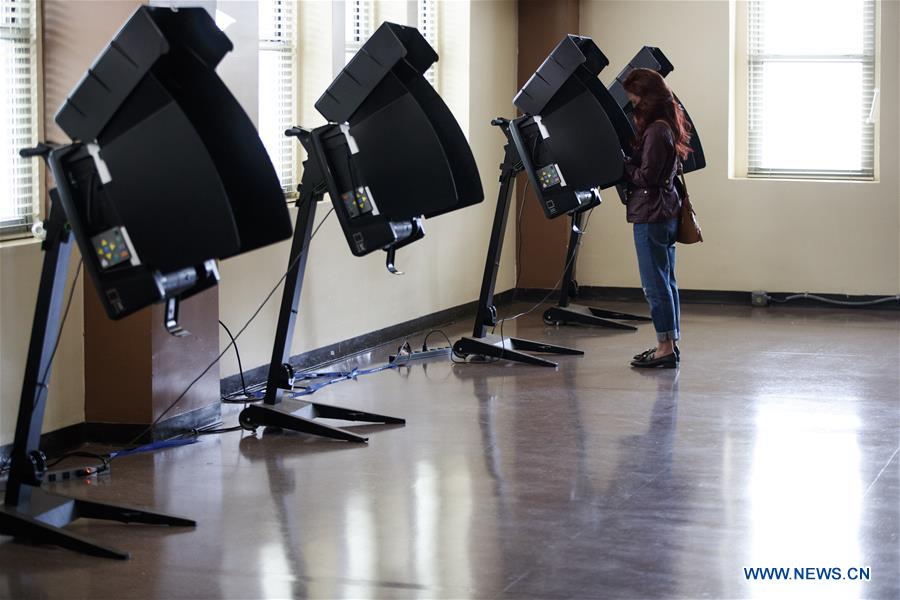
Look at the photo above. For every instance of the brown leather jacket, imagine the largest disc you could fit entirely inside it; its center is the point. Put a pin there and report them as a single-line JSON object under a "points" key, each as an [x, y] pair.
{"points": [[650, 175]]}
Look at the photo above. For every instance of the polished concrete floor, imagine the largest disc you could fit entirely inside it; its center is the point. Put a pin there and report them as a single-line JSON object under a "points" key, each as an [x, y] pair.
{"points": [[774, 445]]}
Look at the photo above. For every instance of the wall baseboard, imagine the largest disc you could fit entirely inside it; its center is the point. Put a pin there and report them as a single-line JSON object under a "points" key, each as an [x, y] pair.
{"points": [[633, 294], [55, 443], [367, 341], [123, 433]]}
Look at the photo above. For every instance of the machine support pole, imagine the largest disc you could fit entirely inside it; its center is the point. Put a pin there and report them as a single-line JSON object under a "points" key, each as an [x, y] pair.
{"points": [[489, 345], [278, 410], [28, 512]]}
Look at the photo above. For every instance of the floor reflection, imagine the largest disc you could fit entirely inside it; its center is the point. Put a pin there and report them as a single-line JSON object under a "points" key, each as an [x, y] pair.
{"points": [[805, 490], [280, 559], [600, 489], [510, 481]]}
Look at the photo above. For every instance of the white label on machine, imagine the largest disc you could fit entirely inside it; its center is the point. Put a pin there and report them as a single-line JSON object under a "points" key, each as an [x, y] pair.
{"points": [[345, 129], [562, 180], [102, 169], [543, 128]]}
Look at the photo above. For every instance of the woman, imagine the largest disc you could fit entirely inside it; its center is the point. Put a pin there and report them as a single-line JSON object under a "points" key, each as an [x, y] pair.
{"points": [[662, 137]]}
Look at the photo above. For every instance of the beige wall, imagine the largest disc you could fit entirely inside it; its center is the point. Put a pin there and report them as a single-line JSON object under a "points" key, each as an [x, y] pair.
{"points": [[345, 296], [771, 235]]}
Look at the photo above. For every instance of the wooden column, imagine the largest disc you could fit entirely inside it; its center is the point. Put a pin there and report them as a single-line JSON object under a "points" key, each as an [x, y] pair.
{"points": [[133, 369], [542, 24]]}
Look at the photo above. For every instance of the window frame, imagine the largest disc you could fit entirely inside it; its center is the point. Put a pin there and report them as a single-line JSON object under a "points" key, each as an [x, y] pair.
{"points": [[427, 12], [748, 65], [417, 13], [20, 227], [365, 29], [287, 163]]}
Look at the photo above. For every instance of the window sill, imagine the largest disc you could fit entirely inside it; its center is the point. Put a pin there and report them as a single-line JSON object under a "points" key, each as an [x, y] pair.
{"points": [[13, 242], [800, 179]]}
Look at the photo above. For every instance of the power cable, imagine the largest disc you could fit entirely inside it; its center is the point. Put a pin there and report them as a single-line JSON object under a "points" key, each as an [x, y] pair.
{"points": [[807, 295], [555, 287], [237, 353], [228, 347], [62, 324]]}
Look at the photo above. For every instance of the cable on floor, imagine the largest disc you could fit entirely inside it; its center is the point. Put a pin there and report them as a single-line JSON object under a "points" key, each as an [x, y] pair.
{"points": [[352, 374], [818, 298], [228, 347], [552, 291], [103, 458], [453, 355]]}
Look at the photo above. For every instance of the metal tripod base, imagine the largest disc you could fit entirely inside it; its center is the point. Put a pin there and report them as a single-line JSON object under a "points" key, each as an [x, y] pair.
{"points": [[588, 315], [298, 415], [42, 517], [510, 349]]}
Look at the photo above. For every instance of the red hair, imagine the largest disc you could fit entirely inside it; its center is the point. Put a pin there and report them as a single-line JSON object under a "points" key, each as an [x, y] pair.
{"points": [[658, 103]]}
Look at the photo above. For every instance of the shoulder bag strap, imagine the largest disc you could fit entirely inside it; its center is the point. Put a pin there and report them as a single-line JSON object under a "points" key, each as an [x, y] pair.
{"points": [[680, 175]]}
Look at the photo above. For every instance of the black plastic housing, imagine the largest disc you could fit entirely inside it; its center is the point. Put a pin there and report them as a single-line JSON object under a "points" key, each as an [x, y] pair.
{"points": [[650, 57], [572, 133], [179, 165], [393, 137]]}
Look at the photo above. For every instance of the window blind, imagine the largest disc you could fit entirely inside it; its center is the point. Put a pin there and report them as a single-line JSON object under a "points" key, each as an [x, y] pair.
{"points": [[428, 27], [811, 88], [19, 203], [358, 26], [277, 86]]}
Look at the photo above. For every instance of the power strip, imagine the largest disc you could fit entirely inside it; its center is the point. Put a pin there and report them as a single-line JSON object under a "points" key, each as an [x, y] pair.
{"points": [[759, 298], [79, 473]]}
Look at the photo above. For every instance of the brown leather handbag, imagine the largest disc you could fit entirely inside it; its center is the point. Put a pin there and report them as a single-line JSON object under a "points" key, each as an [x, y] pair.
{"points": [[688, 225]]}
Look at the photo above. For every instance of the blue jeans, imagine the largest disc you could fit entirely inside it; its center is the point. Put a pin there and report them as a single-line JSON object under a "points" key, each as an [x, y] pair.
{"points": [[655, 245]]}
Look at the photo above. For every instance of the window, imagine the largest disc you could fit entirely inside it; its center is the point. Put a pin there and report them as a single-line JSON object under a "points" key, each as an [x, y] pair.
{"points": [[811, 88], [428, 27], [19, 178], [277, 86], [357, 26], [358, 17]]}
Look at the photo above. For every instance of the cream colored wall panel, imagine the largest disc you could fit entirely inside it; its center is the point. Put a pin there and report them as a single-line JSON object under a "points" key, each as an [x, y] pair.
{"points": [[494, 43], [760, 234], [20, 269]]}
